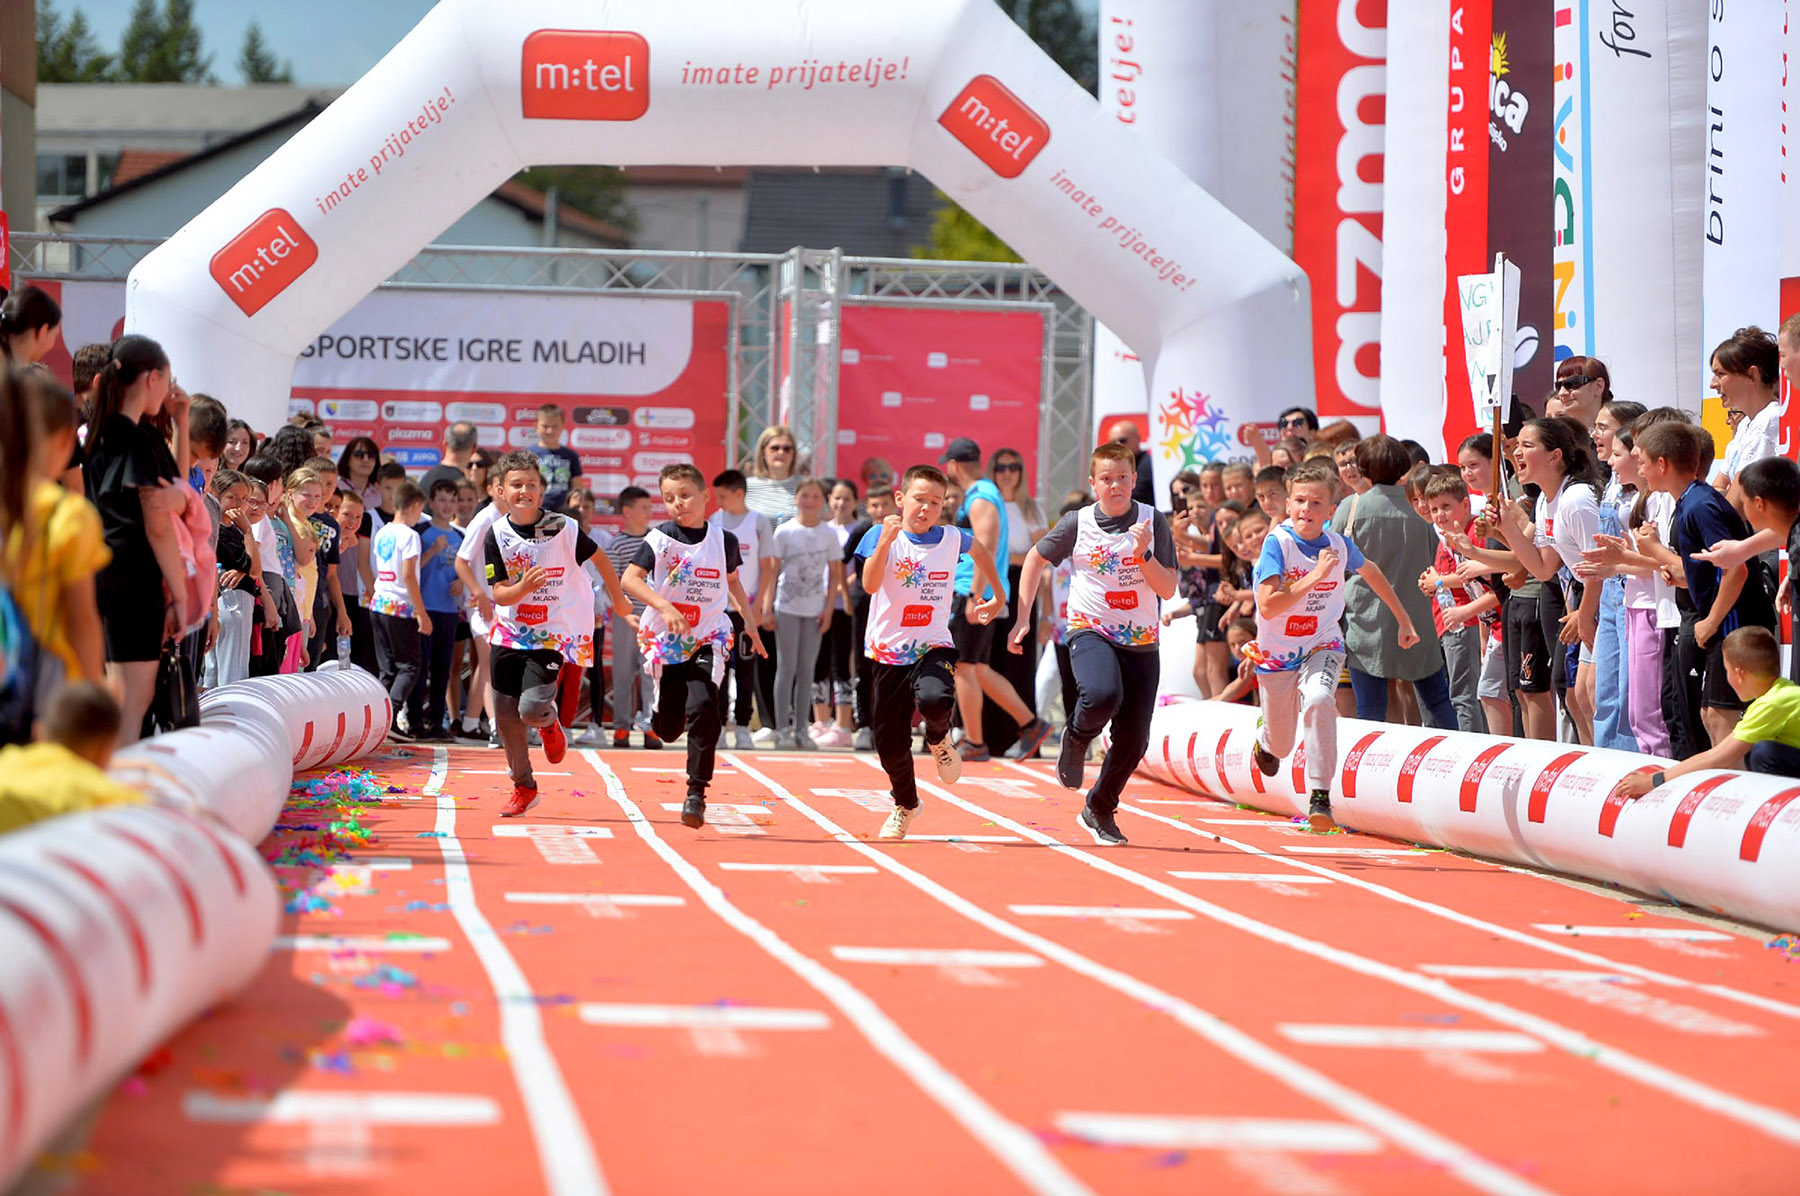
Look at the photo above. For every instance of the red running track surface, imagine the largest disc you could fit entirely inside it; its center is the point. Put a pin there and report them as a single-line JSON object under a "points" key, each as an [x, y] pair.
{"points": [[594, 998]]}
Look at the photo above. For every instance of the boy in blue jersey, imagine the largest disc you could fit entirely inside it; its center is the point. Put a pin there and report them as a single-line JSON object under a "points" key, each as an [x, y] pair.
{"points": [[438, 584]]}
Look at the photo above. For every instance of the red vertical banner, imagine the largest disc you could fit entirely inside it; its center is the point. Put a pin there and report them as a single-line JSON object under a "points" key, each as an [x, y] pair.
{"points": [[1465, 197], [1340, 113], [1790, 410], [5, 254]]}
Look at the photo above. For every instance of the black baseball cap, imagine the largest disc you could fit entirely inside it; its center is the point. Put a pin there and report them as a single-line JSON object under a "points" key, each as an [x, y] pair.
{"points": [[961, 449]]}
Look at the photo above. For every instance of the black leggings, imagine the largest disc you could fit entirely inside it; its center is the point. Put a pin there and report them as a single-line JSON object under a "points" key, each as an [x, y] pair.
{"points": [[928, 685], [742, 673], [1117, 685], [687, 700], [864, 706], [831, 673]]}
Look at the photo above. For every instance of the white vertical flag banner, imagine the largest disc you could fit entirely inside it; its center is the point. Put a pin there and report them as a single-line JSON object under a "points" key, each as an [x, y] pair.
{"points": [[1490, 322]]}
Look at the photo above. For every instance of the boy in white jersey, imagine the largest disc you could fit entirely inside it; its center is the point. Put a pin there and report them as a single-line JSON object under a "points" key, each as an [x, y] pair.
{"points": [[686, 575], [756, 540], [1299, 608], [543, 618], [909, 571], [1123, 555]]}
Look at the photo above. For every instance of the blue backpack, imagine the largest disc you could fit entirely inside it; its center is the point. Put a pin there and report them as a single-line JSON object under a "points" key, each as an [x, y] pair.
{"points": [[20, 663]]}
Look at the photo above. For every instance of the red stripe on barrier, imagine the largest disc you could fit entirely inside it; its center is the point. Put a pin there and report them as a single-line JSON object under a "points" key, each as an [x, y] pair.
{"points": [[337, 741], [65, 965], [1760, 822], [196, 928], [1546, 781], [1353, 761], [225, 856], [305, 740], [134, 930], [1300, 770], [1256, 775], [1684, 813], [1616, 803], [1409, 767], [1219, 761], [1192, 763], [1471, 782], [15, 1086]]}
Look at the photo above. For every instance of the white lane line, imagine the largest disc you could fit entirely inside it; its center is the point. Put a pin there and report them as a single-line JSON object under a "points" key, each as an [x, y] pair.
{"points": [[1403, 1131], [366, 1108], [1410, 1038], [1286, 878], [380, 863], [828, 869], [688, 1017], [1510, 933], [621, 899], [1482, 972], [1162, 801], [1615, 993], [1305, 849], [548, 830], [564, 1149], [1017, 1148], [1141, 913], [1677, 933], [1218, 1133], [1777, 1123], [928, 957], [728, 818], [369, 943], [963, 839]]}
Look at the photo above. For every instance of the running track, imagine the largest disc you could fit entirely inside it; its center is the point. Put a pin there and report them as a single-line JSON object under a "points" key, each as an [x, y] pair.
{"points": [[596, 999]]}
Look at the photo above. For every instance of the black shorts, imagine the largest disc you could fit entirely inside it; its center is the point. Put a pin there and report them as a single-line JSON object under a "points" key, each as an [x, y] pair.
{"points": [[974, 641], [1208, 617], [516, 670], [1715, 687], [132, 623], [462, 630], [1528, 661]]}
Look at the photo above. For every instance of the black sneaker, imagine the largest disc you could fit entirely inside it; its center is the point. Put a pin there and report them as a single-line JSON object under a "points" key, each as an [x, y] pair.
{"points": [[1071, 760], [1267, 762], [1031, 738], [693, 811], [972, 753], [399, 736], [1319, 813], [1104, 827]]}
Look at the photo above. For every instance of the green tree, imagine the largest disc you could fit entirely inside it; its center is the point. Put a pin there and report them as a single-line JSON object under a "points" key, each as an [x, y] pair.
{"points": [[1062, 31], [163, 47], [66, 50], [597, 190], [957, 236], [258, 62]]}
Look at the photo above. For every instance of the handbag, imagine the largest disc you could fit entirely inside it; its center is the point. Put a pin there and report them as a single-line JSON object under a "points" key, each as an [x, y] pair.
{"points": [[176, 703]]}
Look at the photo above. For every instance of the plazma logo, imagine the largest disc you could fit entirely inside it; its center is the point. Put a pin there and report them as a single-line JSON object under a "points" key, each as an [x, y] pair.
{"points": [[996, 126], [582, 74], [263, 260]]}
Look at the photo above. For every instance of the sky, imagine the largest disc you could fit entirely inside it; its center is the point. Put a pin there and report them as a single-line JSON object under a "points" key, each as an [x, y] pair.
{"points": [[330, 42]]}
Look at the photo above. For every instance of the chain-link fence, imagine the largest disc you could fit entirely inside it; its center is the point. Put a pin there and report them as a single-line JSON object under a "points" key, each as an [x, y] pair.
{"points": [[785, 347]]}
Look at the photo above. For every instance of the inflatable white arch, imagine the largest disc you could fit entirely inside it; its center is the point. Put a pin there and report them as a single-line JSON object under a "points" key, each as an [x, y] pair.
{"points": [[951, 88]]}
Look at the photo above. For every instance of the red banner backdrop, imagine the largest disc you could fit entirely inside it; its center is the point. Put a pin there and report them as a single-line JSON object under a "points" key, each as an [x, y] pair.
{"points": [[911, 379], [1337, 196]]}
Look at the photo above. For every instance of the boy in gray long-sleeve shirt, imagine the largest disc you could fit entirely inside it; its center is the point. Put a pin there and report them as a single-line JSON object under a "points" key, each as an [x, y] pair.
{"points": [[631, 686]]}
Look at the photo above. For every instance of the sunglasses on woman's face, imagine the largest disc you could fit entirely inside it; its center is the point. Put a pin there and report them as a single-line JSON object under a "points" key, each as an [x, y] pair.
{"points": [[363, 455], [781, 448], [1292, 421], [1575, 381], [1008, 466]]}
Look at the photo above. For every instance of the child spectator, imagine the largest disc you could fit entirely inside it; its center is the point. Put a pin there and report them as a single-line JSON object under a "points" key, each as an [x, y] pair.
{"points": [[831, 683], [239, 580], [56, 549], [1475, 461], [1239, 482], [1771, 488], [356, 575], [1767, 738], [1271, 492], [756, 542], [304, 495], [1643, 595], [65, 772], [812, 574], [388, 476], [331, 615], [1242, 689], [1212, 483], [1300, 584], [685, 574], [471, 567], [631, 684], [1723, 600], [281, 578], [206, 440], [439, 544], [397, 608], [561, 465], [1466, 613]]}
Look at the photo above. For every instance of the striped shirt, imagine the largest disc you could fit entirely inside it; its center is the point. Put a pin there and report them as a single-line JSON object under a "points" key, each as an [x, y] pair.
{"points": [[621, 552]]}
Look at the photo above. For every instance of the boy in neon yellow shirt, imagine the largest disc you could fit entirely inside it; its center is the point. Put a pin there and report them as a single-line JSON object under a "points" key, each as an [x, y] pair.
{"points": [[65, 773]]}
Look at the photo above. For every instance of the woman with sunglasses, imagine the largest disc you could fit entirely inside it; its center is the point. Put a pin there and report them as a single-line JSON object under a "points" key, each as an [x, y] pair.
{"points": [[775, 473], [1583, 386], [1025, 523], [356, 572]]}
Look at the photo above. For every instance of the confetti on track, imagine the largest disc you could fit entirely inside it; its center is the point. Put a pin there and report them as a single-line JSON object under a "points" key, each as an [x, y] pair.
{"points": [[831, 988]]}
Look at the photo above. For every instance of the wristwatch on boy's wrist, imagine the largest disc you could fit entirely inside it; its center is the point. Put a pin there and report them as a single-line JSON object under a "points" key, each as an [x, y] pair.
{"points": [[1656, 780]]}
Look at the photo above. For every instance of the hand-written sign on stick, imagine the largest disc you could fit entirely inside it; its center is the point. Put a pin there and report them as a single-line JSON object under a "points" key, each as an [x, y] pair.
{"points": [[1490, 320]]}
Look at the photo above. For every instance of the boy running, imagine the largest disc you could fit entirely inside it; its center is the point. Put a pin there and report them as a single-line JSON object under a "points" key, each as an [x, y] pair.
{"points": [[1299, 606], [909, 570], [1124, 569], [686, 575], [543, 617]]}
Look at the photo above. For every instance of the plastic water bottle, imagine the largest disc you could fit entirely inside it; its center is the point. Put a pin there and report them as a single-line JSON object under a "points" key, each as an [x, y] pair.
{"points": [[344, 650]]}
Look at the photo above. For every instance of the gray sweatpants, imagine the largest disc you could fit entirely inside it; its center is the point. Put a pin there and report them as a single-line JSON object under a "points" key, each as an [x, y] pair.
{"points": [[1462, 659], [536, 707], [1303, 700], [632, 693], [796, 654]]}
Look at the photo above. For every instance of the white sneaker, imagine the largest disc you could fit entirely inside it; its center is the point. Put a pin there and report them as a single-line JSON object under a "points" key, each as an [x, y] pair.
{"points": [[897, 822], [763, 737], [833, 736], [740, 740], [949, 760]]}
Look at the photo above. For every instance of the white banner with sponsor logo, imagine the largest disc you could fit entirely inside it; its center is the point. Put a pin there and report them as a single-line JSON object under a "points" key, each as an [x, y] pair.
{"points": [[954, 89]]}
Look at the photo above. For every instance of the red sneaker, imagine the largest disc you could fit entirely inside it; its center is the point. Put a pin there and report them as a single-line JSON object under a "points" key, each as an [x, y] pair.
{"points": [[556, 745], [522, 800]]}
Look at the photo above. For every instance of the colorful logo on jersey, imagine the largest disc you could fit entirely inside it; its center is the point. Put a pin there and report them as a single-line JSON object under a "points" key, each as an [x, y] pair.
{"points": [[1104, 561], [680, 569], [909, 572], [898, 651]]}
